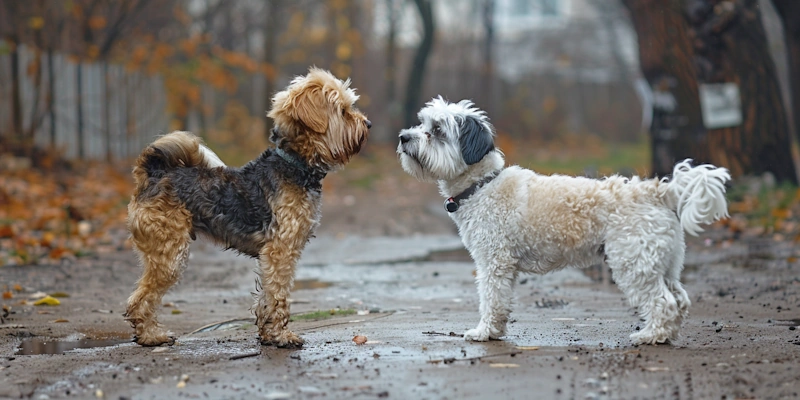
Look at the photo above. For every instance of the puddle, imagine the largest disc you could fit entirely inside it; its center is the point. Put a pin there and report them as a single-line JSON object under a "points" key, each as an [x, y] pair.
{"points": [[787, 322], [304, 284], [34, 346], [457, 255], [231, 324]]}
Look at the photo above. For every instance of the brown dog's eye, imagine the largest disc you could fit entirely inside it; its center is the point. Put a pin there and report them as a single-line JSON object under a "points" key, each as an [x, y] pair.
{"points": [[344, 112]]}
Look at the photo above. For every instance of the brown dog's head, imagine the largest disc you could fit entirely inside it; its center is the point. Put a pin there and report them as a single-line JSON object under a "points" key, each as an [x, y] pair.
{"points": [[316, 118]]}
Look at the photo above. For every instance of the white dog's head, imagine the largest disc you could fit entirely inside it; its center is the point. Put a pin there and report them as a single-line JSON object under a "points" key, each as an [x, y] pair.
{"points": [[450, 138]]}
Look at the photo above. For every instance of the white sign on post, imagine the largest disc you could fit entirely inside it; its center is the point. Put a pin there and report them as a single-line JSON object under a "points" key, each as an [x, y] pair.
{"points": [[721, 105]]}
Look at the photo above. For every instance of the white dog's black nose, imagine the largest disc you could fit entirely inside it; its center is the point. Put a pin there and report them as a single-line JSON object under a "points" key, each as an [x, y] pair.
{"points": [[404, 137]]}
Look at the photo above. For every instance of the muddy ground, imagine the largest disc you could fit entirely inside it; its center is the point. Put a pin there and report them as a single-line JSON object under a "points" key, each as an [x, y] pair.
{"points": [[397, 262]]}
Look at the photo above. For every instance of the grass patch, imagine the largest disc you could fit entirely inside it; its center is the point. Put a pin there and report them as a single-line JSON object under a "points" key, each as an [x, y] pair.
{"points": [[321, 314], [765, 206], [605, 159]]}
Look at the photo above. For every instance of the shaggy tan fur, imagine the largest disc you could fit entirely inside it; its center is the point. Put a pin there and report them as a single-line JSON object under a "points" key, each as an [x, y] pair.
{"points": [[179, 193]]}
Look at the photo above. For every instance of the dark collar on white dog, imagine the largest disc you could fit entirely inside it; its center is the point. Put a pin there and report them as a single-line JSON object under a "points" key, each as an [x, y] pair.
{"points": [[451, 205]]}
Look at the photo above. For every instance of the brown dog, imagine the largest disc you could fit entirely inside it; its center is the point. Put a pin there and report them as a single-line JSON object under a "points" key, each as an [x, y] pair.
{"points": [[267, 209]]}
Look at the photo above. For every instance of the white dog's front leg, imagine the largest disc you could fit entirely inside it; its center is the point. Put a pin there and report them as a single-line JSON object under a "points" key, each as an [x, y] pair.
{"points": [[495, 292]]}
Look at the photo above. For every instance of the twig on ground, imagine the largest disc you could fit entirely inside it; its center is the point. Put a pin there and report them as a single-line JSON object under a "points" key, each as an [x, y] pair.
{"points": [[245, 355], [342, 323], [453, 359], [434, 333]]}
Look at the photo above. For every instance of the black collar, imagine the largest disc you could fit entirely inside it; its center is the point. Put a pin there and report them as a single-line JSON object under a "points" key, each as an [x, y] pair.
{"points": [[451, 205], [310, 174], [296, 162]]}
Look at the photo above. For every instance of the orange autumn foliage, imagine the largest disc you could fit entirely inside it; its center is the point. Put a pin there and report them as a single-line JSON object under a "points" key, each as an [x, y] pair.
{"points": [[46, 216]]}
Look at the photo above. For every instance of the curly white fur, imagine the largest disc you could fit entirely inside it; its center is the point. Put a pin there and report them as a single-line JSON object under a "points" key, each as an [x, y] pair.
{"points": [[526, 222]]}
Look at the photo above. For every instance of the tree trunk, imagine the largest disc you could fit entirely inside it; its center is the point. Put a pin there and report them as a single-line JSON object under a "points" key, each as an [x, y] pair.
{"points": [[488, 56], [731, 46], [16, 101], [270, 37], [417, 73], [789, 12], [665, 55], [390, 73]]}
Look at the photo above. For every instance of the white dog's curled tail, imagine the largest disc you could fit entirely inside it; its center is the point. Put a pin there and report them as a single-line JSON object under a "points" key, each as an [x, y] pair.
{"points": [[697, 194]]}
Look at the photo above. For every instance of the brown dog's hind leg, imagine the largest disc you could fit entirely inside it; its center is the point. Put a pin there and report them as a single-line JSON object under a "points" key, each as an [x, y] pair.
{"points": [[160, 231]]}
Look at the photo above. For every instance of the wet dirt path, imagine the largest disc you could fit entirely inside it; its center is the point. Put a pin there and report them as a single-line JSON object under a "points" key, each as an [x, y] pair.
{"points": [[568, 338]]}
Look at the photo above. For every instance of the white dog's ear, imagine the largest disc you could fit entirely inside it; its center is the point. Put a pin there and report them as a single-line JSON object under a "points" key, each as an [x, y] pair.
{"points": [[476, 139]]}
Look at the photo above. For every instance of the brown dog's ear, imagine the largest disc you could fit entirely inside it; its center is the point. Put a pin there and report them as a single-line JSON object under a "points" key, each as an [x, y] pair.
{"points": [[310, 107]]}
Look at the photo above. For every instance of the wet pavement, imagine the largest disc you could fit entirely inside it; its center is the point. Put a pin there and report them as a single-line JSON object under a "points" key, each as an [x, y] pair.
{"points": [[410, 298]]}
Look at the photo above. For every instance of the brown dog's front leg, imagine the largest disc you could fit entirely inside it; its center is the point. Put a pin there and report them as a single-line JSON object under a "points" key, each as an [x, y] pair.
{"points": [[290, 229]]}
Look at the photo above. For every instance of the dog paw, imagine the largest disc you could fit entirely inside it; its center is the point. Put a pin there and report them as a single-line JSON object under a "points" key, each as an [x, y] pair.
{"points": [[648, 337], [478, 334], [286, 340], [154, 340]]}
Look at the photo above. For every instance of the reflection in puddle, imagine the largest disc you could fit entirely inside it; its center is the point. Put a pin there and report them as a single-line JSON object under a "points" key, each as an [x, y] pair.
{"points": [[36, 346], [302, 284]]}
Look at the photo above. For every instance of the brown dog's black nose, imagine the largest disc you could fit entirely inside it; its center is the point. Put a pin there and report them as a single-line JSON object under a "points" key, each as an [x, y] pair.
{"points": [[369, 123], [404, 138]]}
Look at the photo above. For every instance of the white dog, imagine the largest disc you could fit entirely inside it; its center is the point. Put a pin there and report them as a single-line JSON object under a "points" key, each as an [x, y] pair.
{"points": [[514, 220]]}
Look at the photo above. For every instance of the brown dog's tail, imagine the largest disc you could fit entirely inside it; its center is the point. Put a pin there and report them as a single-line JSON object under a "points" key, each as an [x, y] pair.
{"points": [[174, 150]]}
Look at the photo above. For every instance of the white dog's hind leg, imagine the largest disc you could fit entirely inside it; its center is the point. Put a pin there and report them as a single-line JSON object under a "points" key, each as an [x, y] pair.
{"points": [[495, 283], [672, 280], [638, 268]]}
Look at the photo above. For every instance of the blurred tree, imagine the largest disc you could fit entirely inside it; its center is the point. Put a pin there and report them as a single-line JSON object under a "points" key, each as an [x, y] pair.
{"points": [[665, 56], [390, 72], [731, 47], [272, 8], [488, 54], [11, 13], [789, 12], [417, 73], [684, 43]]}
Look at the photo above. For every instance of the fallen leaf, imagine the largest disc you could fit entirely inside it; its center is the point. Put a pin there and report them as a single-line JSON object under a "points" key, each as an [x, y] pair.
{"points": [[42, 312], [656, 369], [181, 385], [47, 301], [6, 232], [177, 312], [18, 287], [37, 295], [8, 295], [160, 349], [359, 339], [60, 320], [59, 294], [527, 347], [48, 238], [503, 365]]}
